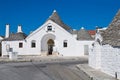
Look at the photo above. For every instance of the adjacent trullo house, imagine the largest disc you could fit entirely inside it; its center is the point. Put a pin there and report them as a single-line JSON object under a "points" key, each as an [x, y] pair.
{"points": [[105, 54], [52, 38]]}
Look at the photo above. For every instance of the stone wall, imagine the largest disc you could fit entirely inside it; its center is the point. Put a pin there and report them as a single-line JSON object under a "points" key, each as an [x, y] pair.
{"points": [[110, 60], [105, 58], [95, 56]]}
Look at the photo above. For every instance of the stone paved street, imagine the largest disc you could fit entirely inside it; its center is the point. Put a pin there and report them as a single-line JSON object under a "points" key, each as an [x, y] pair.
{"points": [[48, 70]]}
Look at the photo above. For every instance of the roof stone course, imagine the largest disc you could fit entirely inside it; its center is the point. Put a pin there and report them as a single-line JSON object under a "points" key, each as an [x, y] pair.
{"points": [[112, 34], [83, 35]]}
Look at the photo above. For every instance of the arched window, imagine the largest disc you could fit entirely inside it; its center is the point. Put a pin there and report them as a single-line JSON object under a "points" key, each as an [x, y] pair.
{"points": [[33, 44], [65, 43]]}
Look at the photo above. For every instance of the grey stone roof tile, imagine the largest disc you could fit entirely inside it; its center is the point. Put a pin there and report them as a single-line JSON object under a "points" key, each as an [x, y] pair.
{"points": [[112, 34], [55, 18], [83, 35], [74, 32], [15, 37]]}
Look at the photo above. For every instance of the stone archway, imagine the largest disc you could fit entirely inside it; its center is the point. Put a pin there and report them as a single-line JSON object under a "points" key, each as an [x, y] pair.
{"points": [[47, 40]]}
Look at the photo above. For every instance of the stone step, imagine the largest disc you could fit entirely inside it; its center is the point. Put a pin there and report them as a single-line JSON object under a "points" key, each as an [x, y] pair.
{"points": [[46, 54]]}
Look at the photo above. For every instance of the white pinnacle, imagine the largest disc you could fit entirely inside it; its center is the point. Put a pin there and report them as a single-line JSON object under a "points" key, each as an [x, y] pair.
{"points": [[54, 11], [82, 27]]}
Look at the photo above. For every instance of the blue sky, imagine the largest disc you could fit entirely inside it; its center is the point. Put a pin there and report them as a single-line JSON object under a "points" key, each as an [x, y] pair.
{"points": [[76, 13]]}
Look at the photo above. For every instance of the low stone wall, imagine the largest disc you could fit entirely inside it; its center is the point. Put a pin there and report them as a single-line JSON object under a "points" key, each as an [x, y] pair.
{"points": [[106, 58], [95, 56], [110, 60]]}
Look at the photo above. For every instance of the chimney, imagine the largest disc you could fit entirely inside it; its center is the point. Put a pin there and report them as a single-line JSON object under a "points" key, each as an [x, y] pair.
{"points": [[19, 30], [7, 31]]}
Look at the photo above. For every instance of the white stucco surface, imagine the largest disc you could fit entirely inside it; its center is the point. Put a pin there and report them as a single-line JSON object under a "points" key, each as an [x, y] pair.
{"points": [[106, 58]]}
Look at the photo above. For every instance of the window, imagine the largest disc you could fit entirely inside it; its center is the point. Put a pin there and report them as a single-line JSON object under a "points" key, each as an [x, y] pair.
{"points": [[49, 28], [20, 45], [65, 43], [33, 44]]}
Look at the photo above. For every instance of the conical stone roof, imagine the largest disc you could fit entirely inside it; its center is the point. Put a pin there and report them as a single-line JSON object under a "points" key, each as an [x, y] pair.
{"points": [[83, 35], [112, 34], [55, 18]]}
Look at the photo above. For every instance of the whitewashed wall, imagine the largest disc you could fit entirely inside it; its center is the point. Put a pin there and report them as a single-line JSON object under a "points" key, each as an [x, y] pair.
{"points": [[95, 56], [80, 46], [106, 58], [26, 50], [110, 61], [75, 48], [60, 35]]}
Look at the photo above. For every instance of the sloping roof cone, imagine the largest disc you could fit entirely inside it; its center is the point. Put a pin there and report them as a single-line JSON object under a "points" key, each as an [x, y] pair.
{"points": [[55, 18]]}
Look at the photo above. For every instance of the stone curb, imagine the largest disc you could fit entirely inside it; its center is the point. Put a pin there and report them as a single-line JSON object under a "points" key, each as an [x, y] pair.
{"points": [[92, 76], [3, 61], [89, 77]]}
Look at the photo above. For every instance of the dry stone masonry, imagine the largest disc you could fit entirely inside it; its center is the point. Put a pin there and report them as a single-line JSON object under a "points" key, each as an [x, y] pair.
{"points": [[105, 53]]}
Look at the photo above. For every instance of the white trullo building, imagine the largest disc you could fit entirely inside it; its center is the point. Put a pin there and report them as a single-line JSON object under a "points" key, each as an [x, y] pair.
{"points": [[52, 38], [105, 54]]}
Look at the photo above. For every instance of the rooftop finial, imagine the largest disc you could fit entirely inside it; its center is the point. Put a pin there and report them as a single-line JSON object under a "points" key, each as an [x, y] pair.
{"points": [[82, 27], [54, 10]]}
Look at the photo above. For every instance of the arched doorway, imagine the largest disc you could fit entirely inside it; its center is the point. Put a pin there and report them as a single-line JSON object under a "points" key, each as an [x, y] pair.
{"points": [[50, 44], [47, 44]]}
